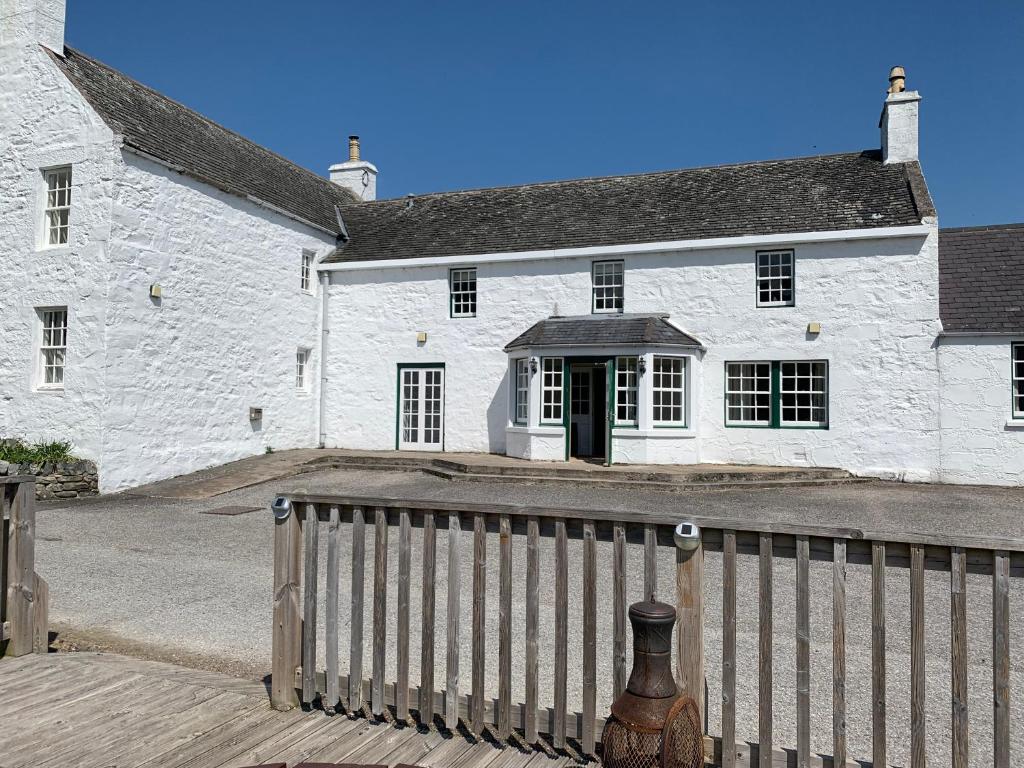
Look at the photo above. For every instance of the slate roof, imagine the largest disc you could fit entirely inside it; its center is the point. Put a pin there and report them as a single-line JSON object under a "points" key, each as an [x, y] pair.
{"points": [[981, 279], [603, 330], [810, 194], [199, 147]]}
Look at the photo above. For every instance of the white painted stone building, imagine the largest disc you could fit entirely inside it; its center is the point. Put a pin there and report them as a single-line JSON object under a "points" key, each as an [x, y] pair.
{"points": [[170, 286]]}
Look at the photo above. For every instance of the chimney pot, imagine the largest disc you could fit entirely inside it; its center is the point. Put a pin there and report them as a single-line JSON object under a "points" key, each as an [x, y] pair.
{"points": [[897, 80], [353, 149]]}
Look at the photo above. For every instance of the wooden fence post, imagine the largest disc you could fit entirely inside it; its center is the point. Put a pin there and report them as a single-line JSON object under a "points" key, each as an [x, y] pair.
{"points": [[287, 619], [690, 623], [20, 570]]}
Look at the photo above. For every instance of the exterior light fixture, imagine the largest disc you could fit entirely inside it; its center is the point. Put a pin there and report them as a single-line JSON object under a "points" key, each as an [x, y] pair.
{"points": [[641, 365], [533, 365]]}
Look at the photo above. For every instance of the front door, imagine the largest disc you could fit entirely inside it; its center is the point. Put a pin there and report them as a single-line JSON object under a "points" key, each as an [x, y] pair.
{"points": [[421, 409]]}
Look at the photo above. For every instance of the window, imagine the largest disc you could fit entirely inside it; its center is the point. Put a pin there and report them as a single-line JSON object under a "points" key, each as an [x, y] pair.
{"points": [[301, 363], [667, 389], [748, 393], [1018, 381], [522, 403], [306, 272], [58, 206], [53, 346], [775, 279], [462, 283], [625, 391], [787, 393], [551, 389], [607, 286]]}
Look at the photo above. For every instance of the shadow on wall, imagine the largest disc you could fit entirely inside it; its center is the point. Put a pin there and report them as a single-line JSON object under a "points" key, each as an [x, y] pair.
{"points": [[497, 417]]}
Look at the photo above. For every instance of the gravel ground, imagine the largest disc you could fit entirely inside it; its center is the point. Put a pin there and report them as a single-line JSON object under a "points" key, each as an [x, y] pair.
{"points": [[152, 577]]}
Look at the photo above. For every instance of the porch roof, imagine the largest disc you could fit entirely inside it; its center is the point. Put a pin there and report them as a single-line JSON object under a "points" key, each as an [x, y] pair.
{"points": [[650, 330]]}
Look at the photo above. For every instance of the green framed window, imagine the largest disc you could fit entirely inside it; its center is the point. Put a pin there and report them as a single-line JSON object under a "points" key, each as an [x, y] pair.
{"points": [[1018, 381], [462, 292], [668, 391], [552, 378], [625, 391], [522, 390], [779, 393]]}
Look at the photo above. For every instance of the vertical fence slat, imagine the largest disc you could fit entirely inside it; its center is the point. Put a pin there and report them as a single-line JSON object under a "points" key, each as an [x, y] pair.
{"points": [[729, 649], [532, 626], [311, 529], [402, 623], [561, 631], [878, 741], [355, 661], [918, 746], [331, 642], [764, 654], [839, 653], [1001, 658], [958, 654], [286, 653], [618, 609], [479, 620], [505, 629], [589, 635], [803, 653], [451, 701], [427, 585], [650, 561], [380, 608]]}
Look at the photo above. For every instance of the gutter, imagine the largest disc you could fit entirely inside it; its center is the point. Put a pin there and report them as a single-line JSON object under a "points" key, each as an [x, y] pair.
{"points": [[698, 244], [970, 334]]}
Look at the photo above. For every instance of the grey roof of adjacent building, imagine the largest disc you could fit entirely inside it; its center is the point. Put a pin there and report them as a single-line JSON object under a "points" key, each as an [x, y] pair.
{"points": [[198, 147], [648, 330], [809, 194], [981, 279]]}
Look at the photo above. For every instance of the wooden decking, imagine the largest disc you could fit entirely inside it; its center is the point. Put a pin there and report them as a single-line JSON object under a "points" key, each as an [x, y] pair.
{"points": [[90, 709]]}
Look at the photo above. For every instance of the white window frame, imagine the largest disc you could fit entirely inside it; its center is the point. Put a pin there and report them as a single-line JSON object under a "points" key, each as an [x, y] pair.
{"points": [[607, 287], [52, 346], [783, 272], [302, 369], [521, 391], [748, 389], [552, 370], [57, 201], [306, 271], [462, 302], [1017, 379], [627, 391], [658, 387], [796, 391]]}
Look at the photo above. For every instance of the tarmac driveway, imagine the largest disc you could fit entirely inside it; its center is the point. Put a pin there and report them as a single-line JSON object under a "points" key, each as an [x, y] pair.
{"points": [[155, 578]]}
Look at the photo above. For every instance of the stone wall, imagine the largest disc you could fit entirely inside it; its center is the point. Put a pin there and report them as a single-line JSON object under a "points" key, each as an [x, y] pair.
{"points": [[58, 480]]}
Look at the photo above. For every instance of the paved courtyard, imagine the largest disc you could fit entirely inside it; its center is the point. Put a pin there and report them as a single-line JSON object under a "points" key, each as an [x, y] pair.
{"points": [[155, 578]]}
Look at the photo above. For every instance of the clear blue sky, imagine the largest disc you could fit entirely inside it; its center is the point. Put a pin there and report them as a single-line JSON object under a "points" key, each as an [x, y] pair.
{"points": [[453, 95]]}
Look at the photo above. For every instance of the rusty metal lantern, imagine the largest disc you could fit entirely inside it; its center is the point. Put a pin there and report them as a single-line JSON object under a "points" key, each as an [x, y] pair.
{"points": [[652, 725]]}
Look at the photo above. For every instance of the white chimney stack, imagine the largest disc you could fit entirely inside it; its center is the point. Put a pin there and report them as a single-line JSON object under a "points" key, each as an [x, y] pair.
{"points": [[356, 175], [899, 120], [24, 22]]}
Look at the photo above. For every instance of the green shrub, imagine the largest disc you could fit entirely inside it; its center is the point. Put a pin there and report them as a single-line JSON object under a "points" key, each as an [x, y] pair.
{"points": [[17, 451]]}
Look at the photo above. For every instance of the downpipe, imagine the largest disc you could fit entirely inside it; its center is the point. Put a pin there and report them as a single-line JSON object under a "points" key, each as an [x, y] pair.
{"points": [[325, 335]]}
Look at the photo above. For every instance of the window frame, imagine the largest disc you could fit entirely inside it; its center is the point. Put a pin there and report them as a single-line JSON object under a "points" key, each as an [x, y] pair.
{"points": [[621, 285], [783, 423], [42, 348], [621, 389], [521, 370], [452, 293], [306, 271], [302, 358], [791, 253], [769, 423], [48, 209], [557, 400], [776, 394], [1017, 381], [661, 423]]}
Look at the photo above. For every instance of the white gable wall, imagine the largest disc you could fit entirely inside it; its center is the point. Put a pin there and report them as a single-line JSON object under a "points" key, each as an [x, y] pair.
{"points": [[876, 299], [45, 122]]}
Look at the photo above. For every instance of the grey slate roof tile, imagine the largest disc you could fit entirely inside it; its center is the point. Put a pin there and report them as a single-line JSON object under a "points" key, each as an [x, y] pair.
{"points": [[981, 279], [603, 330], [810, 194], [200, 148]]}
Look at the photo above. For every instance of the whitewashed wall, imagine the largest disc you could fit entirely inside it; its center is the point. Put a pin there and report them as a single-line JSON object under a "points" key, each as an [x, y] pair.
{"points": [[44, 122], [981, 443], [877, 301], [182, 371]]}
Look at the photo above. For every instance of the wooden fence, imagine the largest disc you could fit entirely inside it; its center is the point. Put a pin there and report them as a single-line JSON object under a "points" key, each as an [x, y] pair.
{"points": [[24, 595], [296, 554]]}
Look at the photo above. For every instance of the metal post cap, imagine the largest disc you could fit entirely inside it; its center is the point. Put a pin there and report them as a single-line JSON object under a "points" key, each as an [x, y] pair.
{"points": [[281, 507]]}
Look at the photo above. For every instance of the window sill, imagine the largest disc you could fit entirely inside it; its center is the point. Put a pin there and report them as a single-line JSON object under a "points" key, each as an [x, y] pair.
{"points": [[56, 250], [541, 431], [1015, 424], [49, 390]]}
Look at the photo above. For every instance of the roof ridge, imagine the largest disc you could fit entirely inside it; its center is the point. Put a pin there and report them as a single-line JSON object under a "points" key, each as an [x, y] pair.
{"points": [[609, 177], [200, 115]]}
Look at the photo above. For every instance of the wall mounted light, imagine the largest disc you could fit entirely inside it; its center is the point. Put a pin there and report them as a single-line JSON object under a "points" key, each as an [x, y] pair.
{"points": [[533, 365], [641, 365]]}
